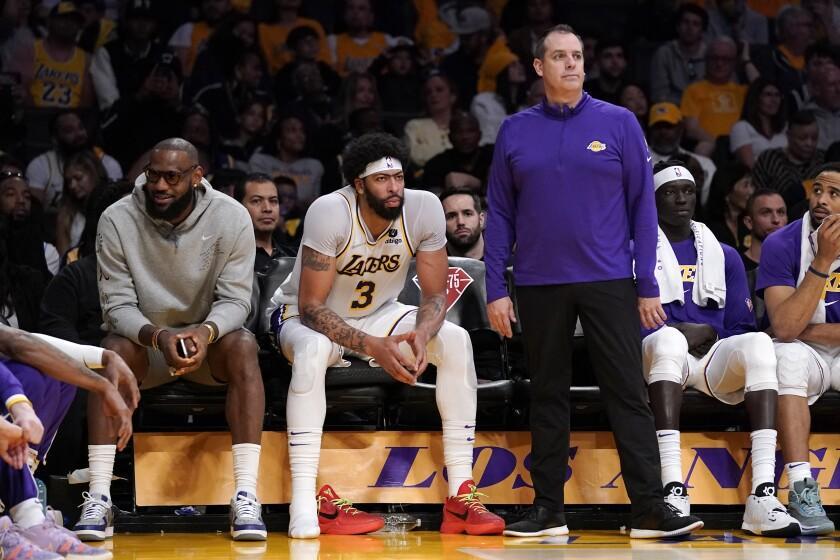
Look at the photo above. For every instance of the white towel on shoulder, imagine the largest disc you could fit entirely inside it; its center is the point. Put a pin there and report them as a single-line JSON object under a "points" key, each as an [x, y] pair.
{"points": [[710, 279], [807, 254]]}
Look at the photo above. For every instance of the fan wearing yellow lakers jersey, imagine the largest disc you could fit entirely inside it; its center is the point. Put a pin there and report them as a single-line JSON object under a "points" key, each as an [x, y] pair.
{"points": [[341, 300]]}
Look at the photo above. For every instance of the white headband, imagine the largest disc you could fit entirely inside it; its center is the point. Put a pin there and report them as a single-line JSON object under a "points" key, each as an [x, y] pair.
{"points": [[673, 173], [385, 165]]}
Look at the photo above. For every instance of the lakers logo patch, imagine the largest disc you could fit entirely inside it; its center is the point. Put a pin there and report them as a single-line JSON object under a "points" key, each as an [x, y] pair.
{"points": [[596, 146]]}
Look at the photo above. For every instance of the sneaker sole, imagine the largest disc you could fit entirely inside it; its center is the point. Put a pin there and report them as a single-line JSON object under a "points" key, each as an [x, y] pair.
{"points": [[91, 535], [791, 530], [248, 535], [550, 532], [824, 529], [459, 528], [656, 534]]}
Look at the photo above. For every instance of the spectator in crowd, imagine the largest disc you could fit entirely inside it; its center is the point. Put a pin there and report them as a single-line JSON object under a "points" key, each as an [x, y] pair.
{"points": [[612, 68], [41, 373], [708, 343], [304, 45], [539, 16], [712, 105], [235, 35], [826, 19], [817, 56], [289, 144], [116, 68], [225, 180], [70, 310], [83, 172], [825, 104], [472, 24], [45, 172], [536, 92], [191, 38], [97, 29], [784, 64], [792, 278], [21, 290], [17, 35], [54, 70], [464, 223], [259, 195], [24, 231], [466, 164], [682, 61], [565, 267], [632, 97], [154, 298], [356, 48], [785, 169], [198, 128], [664, 135], [251, 121], [765, 213], [762, 125], [735, 19], [398, 76], [290, 211], [137, 122], [312, 101], [428, 136], [508, 97], [223, 99], [358, 91], [273, 36], [732, 187]]}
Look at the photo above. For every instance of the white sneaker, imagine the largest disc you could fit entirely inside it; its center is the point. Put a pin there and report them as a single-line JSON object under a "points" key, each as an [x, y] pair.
{"points": [[676, 494], [766, 516]]}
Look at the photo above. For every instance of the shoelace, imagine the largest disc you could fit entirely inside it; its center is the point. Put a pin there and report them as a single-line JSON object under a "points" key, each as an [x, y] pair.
{"points": [[811, 500], [92, 508], [340, 503], [471, 500], [246, 507]]}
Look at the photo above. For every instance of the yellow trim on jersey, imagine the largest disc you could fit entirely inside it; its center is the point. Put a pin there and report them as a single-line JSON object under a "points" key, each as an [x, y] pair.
{"points": [[349, 237], [397, 322], [405, 232]]}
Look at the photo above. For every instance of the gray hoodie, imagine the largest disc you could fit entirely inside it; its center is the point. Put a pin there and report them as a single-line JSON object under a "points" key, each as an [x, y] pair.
{"points": [[151, 272]]}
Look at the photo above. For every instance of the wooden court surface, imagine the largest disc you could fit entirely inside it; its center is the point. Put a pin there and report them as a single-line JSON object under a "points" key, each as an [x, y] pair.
{"points": [[585, 545]]}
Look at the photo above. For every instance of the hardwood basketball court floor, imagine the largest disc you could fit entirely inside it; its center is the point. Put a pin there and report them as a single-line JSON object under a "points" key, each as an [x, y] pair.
{"points": [[583, 545]]}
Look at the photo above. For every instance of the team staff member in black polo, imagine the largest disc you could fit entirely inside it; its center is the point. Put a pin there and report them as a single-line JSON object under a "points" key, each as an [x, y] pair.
{"points": [[571, 185]]}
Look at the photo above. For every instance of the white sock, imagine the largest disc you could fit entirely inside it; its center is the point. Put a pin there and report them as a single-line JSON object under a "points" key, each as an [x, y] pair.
{"points": [[798, 470], [304, 453], [28, 513], [670, 455], [246, 465], [458, 440], [763, 457], [101, 465]]}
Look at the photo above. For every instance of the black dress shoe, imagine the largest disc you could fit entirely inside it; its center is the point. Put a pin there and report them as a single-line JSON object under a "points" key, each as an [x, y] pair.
{"points": [[663, 521], [539, 522]]}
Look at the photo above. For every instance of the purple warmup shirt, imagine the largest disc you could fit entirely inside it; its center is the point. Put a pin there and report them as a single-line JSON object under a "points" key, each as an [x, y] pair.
{"points": [[780, 255], [736, 317], [571, 188]]}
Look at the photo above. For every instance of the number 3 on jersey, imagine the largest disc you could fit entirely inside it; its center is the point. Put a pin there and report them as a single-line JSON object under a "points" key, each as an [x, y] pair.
{"points": [[364, 289]]}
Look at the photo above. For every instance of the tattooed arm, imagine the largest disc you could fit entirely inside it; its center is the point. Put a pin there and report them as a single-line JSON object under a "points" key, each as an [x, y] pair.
{"points": [[317, 274]]}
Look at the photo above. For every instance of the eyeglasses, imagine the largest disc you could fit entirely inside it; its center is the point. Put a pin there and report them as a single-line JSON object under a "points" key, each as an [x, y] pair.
{"points": [[172, 178], [9, 174]]}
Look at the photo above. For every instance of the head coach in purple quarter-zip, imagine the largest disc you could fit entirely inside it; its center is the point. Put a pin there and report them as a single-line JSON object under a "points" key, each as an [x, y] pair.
{"points": [[570, 195]]}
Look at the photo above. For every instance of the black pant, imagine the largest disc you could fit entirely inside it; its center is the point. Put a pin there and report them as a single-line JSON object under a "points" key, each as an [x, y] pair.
{"points": [[610, 322]]}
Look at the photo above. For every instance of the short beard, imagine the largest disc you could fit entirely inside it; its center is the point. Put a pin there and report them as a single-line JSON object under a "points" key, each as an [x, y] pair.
{"points": [[174, 210], [379, 208], [466, 244]]}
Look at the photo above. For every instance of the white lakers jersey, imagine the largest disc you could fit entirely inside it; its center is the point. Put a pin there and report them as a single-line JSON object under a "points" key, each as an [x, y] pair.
{"points": [[370, 272]]}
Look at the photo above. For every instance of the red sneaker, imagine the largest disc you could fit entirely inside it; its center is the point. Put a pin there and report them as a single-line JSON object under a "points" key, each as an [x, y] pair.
{"points": [[464, 513], [337, 516]]}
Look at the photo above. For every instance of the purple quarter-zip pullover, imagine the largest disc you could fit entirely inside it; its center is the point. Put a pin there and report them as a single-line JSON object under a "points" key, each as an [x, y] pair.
{"points": [[573, 189]]}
